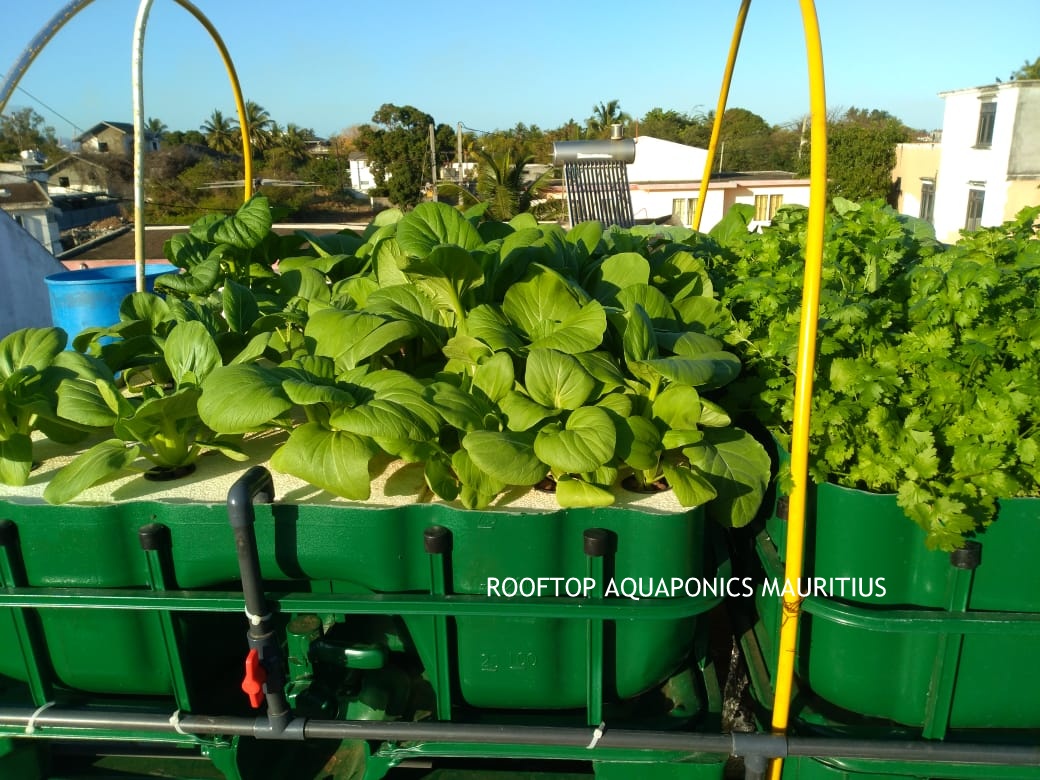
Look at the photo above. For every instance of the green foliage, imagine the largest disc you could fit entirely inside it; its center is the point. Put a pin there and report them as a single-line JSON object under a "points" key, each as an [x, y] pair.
{"points": [[22, 129], [161, 422], [502, 185], [861, 152], [397, 148], [925, 383], [1029, 70], [495, 356], [221, 133], [603, 116], [32, 365]]}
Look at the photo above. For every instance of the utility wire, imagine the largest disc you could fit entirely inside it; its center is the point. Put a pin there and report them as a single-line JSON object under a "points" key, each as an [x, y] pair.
{"points": [[75, 127]]}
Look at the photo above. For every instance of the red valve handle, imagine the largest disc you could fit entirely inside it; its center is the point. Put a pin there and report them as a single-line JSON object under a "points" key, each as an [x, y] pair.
{"points": [[256, 676]]}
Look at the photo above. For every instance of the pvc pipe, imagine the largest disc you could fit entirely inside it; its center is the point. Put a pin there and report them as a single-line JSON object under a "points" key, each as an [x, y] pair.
{"points": [[748, 744], [804, 365], [36, 45], [720, 109]]}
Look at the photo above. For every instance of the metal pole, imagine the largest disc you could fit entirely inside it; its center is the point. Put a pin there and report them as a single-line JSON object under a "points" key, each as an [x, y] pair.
{"points": [[138, 89], [433, 161], [458, 159]]}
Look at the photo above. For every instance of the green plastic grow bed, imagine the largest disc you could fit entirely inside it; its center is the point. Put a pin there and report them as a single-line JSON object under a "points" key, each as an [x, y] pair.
{"points": [[947, 646]]}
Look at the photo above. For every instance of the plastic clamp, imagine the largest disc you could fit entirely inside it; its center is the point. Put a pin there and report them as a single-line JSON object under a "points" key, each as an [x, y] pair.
{"points": [[175, 721], [597, 735], [30, 727]]}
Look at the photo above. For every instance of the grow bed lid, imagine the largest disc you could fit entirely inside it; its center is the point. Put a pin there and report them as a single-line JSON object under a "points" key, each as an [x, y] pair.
{"points": [[394, 483]]}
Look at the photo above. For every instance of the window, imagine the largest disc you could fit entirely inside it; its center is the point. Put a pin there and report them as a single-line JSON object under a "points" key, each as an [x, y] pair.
{"points": [[987, 118], [63, 181], [766, 206], [973, 220], [927, 199], [102, 146], [683, 209]]}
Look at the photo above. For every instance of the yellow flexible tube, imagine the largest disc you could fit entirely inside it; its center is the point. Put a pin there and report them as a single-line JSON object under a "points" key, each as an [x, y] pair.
{"points": [[240, 106], [727, 77], [138, 65], [803, 375]]}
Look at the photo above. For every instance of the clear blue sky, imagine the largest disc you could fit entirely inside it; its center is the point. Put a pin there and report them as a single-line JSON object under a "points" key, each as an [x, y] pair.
{"points": [[328, 65]]}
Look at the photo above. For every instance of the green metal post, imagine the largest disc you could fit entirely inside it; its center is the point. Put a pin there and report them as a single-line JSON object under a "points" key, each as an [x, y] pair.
{"points": [[29, 641], [437, 542], [963, 563], [596, 544], [156, 542]]}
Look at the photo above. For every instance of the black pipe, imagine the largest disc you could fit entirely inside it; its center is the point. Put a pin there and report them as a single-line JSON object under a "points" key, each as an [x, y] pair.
{"points": [[254, 486], [755, 745]]}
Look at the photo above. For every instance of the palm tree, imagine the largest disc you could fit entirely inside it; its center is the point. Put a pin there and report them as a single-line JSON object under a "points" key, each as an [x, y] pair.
{"points": [[603, 116], [154, 130], [501, 184], [220, 133], [292, 142], [260, 126]]}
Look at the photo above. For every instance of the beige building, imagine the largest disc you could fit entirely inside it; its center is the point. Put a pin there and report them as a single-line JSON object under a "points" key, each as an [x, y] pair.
{"points": [[986, 168], [108, 138]]}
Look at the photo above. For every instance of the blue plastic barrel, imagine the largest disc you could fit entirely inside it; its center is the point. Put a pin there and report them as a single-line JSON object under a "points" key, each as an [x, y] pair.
{"points": [[90, 298]]}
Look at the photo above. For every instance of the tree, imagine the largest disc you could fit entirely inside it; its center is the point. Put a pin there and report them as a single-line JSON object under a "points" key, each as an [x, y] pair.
{"points": [[503, 184], [293, 143], [603, 116], [220, 133], [185, 138], [861, 152], [397, 147], [154, 131], [261, 127], [747, 142], [24, 129], [668, 125], [1029, 70]]}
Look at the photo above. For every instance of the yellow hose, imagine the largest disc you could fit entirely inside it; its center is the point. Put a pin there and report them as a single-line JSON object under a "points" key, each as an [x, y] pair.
{"points": [[727, 77], [803, 375], [247, 156], [240, 106]]}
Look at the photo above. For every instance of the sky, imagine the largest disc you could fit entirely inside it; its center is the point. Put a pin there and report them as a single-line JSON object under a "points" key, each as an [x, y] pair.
{"points": [[329, 65]]}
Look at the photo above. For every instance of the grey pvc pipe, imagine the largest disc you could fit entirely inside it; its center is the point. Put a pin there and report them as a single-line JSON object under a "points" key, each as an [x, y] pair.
{"points": [[754, 744]]}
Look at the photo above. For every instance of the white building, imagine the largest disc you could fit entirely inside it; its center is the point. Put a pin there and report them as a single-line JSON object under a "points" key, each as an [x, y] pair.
{"points": [[29, 205], [665, 180], [987, 166]]}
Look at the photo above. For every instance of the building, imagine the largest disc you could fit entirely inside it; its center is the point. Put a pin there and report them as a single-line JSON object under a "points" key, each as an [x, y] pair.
{"points": [[76, 174], [29, 205], [361, 176], [665, 179], [109, 138], [985, 169]]}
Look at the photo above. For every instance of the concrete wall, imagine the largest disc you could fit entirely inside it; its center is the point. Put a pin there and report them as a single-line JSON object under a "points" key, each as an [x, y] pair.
{"points": [[23, 265], [1021, 193], [658, 160], [1025, 144], [915, 162], [655, 202]]}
